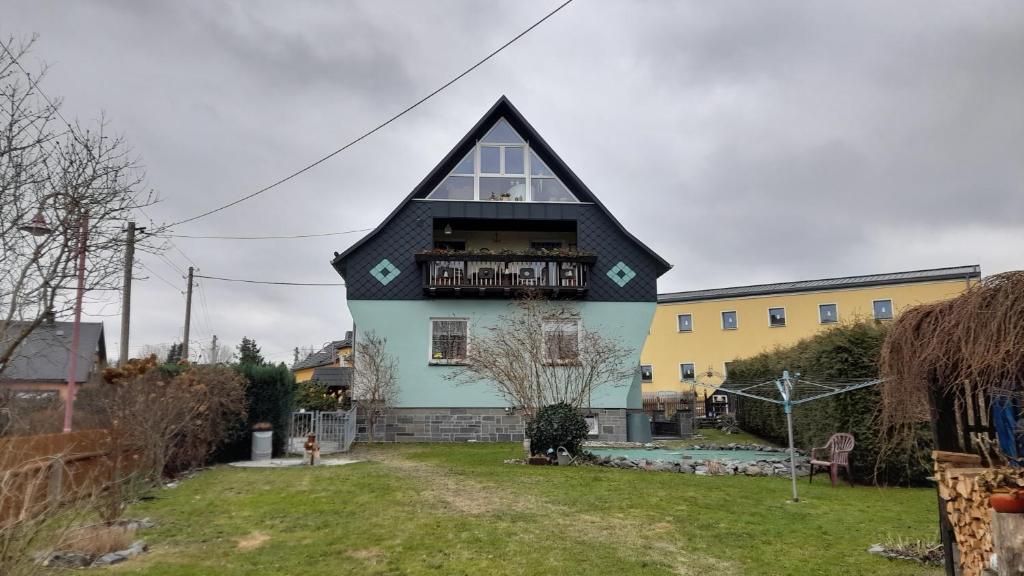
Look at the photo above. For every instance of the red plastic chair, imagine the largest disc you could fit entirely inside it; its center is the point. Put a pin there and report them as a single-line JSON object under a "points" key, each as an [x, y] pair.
{"points": [[839, 447]]}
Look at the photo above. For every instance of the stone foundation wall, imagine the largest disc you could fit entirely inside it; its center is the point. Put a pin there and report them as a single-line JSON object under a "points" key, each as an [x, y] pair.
{"points": [[465, 424]]}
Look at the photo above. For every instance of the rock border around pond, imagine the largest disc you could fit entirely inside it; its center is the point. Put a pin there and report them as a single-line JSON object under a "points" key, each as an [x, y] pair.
{"points": [[706, 467]]}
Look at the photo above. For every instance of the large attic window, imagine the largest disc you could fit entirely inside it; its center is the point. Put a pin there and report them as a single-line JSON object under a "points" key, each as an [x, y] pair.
{"points": [[502, 167]]}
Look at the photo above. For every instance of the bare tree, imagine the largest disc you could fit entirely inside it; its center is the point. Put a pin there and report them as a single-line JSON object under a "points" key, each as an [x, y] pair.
{"points": [[542, 353], [375, 381], [53, 177]]}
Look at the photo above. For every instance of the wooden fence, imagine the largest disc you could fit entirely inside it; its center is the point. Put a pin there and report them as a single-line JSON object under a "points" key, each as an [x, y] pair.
{"points": [[37, 472]]}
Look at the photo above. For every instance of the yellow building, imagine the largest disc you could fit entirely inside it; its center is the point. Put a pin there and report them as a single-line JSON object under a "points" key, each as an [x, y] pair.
{"points": [[696, 334], [334, 354]]}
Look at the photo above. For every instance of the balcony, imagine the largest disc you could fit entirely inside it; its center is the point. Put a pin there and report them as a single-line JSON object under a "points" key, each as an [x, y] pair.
{"points": [[559, 274]]}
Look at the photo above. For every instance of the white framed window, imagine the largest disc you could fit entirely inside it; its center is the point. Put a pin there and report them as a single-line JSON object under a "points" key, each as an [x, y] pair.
{"points": [[449, 340], [883, 309], [776, 317], [646, 373], [828, 313], [730, 320], [687, 372], [684, 322], [502, 167], [561, 340]]}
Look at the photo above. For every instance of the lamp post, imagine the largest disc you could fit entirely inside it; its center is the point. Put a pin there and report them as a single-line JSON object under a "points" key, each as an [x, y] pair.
{"points": [[38, 227]]}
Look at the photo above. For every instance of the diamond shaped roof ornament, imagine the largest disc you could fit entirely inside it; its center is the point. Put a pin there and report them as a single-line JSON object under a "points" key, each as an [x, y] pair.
{"points": [[385, 272], [621, 274]]}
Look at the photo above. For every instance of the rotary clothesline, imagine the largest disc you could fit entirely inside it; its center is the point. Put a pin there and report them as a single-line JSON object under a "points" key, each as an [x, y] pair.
{"points": [[788, 391]]}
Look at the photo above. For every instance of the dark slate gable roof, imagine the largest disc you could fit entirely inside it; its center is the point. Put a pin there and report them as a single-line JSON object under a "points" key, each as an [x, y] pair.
{"points": [[45, 354], [333, 376], [503, 108], [326, 355], [930, 275]]}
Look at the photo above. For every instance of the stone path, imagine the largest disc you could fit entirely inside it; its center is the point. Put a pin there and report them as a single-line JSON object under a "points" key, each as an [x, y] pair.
{"points": [[291, 462]]}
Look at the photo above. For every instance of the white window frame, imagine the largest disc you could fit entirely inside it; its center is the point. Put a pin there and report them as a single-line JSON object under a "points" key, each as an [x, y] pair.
{"points": [[642, 373], [682, 378], [544, 342], [836, 321], [526, 175], [892, 308], [785, 317], [678, 329], [721, 317], [430, 341]]}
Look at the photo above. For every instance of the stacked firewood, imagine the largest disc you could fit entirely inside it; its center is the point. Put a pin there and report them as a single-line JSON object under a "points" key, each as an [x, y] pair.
{"points": [[965, 487]]}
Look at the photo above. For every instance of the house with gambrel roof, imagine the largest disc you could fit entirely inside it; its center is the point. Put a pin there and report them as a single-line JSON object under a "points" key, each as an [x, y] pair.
{"points": [[501, 213]]}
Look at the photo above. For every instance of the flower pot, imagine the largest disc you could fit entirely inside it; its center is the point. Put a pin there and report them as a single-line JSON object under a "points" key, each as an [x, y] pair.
{"points": [[1012, 502]]}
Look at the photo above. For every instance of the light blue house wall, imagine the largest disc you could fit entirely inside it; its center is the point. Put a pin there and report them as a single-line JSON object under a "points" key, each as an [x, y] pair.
{"points": [[406, 325]]}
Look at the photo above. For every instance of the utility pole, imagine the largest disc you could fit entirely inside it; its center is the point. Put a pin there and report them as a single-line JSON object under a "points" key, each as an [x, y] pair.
{"points": [[213, 350], [126, 297], [69, 402], [188, 315]]}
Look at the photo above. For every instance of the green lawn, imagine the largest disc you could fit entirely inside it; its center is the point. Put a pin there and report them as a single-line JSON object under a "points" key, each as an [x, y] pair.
{"points": [[457, 509], [715, 436]]}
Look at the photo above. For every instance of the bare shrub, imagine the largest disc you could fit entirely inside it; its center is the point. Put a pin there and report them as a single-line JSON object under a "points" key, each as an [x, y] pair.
{"points": [[375, 382], [96, 539], [172, 419], [541, 353]]}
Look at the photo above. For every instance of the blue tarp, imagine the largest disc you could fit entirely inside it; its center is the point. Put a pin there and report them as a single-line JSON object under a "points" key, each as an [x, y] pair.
{"points": [[1005, 412]]}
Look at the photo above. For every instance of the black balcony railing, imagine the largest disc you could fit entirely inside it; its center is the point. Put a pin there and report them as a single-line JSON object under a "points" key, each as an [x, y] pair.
{"points": [[457, 273]]}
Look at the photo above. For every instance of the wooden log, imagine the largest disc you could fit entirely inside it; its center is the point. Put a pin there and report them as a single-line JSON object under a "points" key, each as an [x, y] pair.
{"points": [[944, 456], [1008, 542]]}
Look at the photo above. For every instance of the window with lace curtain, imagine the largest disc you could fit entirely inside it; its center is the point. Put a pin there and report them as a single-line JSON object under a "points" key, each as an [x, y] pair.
{"points": [[448, 340], [561, 340]]}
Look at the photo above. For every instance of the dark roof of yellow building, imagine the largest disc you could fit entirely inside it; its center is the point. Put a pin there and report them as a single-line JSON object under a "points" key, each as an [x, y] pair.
{"points": [[909, 277], [326, 355]]}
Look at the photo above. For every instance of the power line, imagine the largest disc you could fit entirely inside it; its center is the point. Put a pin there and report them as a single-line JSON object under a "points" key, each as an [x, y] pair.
{"points": [[268, 237], [159, 277], [379, 126], [268, 282]]}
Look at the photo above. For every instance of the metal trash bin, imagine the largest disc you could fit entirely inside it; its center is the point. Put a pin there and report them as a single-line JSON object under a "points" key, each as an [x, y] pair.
{"points": [[262, 444], [638, 427], [563, 456]]}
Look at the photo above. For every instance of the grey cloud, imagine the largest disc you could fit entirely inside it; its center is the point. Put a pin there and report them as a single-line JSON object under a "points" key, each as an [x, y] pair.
{"points": [[745, 141]]}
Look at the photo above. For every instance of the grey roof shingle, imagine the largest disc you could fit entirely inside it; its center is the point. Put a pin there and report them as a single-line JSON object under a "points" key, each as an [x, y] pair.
{"points": [[333, 376], [45, 354], [929, 275], [326, 355]]}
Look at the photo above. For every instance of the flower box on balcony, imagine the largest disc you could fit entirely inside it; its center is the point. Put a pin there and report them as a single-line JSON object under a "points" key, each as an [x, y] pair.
{"points": [[508, 256]]}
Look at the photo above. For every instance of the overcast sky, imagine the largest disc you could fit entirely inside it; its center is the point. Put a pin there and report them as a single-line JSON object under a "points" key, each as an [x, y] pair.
{"points": [[745, 142]]}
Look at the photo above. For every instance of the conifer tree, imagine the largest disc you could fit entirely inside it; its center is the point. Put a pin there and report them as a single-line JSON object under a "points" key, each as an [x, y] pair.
{"points": [[249, 353]]}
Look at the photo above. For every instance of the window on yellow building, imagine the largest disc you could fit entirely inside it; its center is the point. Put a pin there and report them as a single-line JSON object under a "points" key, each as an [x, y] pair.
{"points": [[729, 320], [646, 373], [828, 313], [684, 322], [776, 317], [687, 372], [883, 309]]}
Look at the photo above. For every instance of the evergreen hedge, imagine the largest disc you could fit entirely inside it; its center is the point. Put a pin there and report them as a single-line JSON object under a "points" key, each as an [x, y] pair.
{"points": [[270, 395], [848, 351]]}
